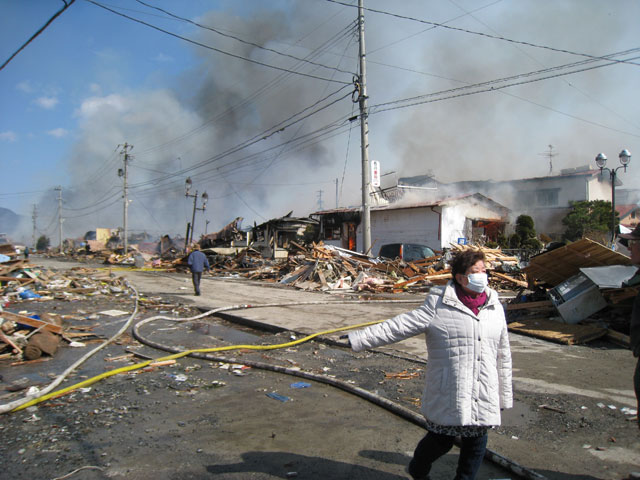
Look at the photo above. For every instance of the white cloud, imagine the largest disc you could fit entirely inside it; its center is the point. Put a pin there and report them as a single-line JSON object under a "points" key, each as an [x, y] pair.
{"points": [[58, 132], [25, 86], [8, 136], [95, 88], [162, 58], [46, 102], [93, 105]]}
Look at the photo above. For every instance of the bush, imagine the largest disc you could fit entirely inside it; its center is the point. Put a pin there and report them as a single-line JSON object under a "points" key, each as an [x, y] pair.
{"points": [[587, 218], [42, 243]]}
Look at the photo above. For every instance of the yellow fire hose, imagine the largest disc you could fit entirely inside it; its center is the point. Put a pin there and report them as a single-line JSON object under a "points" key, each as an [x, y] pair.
{"points": [[129, 368]]}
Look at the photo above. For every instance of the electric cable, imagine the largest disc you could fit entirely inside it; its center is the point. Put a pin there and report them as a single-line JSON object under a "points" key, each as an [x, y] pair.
{"points": [[264, 88], [567, 82], [209, 47], [40, 30], [246, 42], [495, 37]]}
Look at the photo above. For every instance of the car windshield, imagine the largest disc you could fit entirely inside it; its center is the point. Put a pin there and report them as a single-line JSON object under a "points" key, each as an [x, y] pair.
{"points": [[412, 252]]}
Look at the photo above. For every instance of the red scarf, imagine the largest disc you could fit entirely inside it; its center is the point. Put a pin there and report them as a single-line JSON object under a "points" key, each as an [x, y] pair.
{"points": [[471, 302]]}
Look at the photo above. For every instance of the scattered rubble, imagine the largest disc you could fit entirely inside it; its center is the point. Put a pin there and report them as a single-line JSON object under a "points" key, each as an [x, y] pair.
{"points": [[30, 331], [536, 304]]}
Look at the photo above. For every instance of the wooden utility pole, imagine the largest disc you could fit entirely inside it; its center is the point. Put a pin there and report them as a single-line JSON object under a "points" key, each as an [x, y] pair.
{"points": [[364, 135]]}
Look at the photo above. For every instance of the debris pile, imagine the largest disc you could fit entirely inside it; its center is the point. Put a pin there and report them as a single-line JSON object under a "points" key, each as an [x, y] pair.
{"points": [[328, 268], [30, 330]]}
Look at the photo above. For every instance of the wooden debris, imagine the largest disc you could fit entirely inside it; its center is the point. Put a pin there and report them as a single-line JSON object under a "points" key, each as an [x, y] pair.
{"points": [[568, 334], [32, 322]]}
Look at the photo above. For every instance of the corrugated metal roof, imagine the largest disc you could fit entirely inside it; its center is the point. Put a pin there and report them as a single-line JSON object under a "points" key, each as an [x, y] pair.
{"points": [[562, 263]]}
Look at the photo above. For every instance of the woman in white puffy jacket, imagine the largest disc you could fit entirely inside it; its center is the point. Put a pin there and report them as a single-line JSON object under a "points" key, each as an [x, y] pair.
{"points": [[468, 374]]}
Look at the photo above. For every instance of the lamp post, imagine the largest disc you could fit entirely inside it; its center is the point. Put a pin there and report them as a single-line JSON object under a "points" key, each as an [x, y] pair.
{"points": [[601, 161], [205, 198]]}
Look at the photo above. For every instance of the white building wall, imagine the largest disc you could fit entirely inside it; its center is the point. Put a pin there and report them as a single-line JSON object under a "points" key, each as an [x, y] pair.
{"points": [[456, 221], [404, 225], [599, 188]]}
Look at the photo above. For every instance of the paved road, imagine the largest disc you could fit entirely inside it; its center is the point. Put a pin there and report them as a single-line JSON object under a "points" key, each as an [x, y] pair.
{"points": [[600, 373]]}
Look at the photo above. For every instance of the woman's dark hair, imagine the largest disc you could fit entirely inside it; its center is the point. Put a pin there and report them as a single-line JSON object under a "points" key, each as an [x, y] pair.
{"points": [[463, 260]]}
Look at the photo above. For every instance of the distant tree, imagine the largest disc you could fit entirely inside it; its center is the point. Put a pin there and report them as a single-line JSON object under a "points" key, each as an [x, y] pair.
{"points": [[42, 243], [525, 236], [515, 241], [587, 218], [524, 227]]}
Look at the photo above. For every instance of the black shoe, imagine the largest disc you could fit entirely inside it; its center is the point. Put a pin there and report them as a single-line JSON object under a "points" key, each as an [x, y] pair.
{"points": [[197, 294], [425, 477]]}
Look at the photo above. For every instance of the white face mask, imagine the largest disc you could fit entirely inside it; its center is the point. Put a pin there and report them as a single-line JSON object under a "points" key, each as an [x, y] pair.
{"points": [[477, 282]]}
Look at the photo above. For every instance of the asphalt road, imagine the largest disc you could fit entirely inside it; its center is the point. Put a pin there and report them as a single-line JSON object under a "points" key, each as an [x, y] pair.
{"points": [[236, 431]]}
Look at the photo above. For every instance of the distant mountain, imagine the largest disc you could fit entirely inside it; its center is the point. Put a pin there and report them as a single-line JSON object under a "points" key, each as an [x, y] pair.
{"points": [[8, 220]]}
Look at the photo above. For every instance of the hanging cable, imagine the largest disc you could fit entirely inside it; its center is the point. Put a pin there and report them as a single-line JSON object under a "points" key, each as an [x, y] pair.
{"points": [[246, 42], [495, 37], [209, 47], [67, 4]]}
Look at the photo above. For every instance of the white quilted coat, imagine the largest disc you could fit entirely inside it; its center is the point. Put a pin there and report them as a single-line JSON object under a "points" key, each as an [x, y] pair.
{"points": [[468, 374]]}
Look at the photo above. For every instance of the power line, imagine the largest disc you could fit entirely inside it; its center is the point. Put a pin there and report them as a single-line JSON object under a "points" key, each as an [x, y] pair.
{"points": [[255, 139], [262, 90], [567, 82], [40, 30], [246, 42], [240, 57], [471, 32], [491, 83]]}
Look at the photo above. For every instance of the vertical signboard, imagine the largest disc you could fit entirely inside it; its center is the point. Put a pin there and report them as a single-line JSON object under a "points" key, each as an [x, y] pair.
{"points": [[375, 173]]}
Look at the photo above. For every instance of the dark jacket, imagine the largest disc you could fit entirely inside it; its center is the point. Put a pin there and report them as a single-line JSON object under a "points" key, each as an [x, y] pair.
{"points": [[635, 317], [635, 327], [198, 261]]}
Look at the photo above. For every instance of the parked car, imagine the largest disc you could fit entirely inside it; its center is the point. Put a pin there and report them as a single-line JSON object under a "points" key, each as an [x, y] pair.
{"points": [[408, 252]]}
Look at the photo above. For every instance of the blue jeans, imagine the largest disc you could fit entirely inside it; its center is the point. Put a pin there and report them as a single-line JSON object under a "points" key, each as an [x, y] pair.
{"points": [[435, 445]]}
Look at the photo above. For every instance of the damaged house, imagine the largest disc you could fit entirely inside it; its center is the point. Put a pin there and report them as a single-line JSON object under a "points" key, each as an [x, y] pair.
{"points": [[545, 199], [274, 237], [474, 218]]}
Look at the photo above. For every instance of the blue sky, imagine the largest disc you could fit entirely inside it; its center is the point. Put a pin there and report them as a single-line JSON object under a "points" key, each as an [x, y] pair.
{"points": [[94, 80]]}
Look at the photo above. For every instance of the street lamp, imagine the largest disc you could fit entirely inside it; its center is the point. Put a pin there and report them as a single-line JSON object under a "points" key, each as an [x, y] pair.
{"points": [[601, 161], [205, 198]]}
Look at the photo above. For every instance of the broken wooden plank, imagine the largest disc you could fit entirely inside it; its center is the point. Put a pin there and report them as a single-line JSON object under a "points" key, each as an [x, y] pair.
{"points": [[530, 305], [8, 341], [323, 280], [32, 322], [568, 334], [618, 338], [507, 278], [22, 280]]}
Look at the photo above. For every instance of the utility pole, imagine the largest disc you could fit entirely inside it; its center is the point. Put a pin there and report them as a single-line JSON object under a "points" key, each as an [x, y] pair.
{"points": [[320, 206], [60, 219], [33, 236], [336, 193], [364, 135], [123, 172], [188, 183]]}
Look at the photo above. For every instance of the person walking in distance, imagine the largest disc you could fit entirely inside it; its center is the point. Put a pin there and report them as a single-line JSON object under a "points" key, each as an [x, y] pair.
{"points": [[632, 241], [468, 375], [198, 263]]}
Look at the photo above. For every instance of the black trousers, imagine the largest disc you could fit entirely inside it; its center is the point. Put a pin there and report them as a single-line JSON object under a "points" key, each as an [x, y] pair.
{"points": [[435, 445], [195, 277], [636, 386]]}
